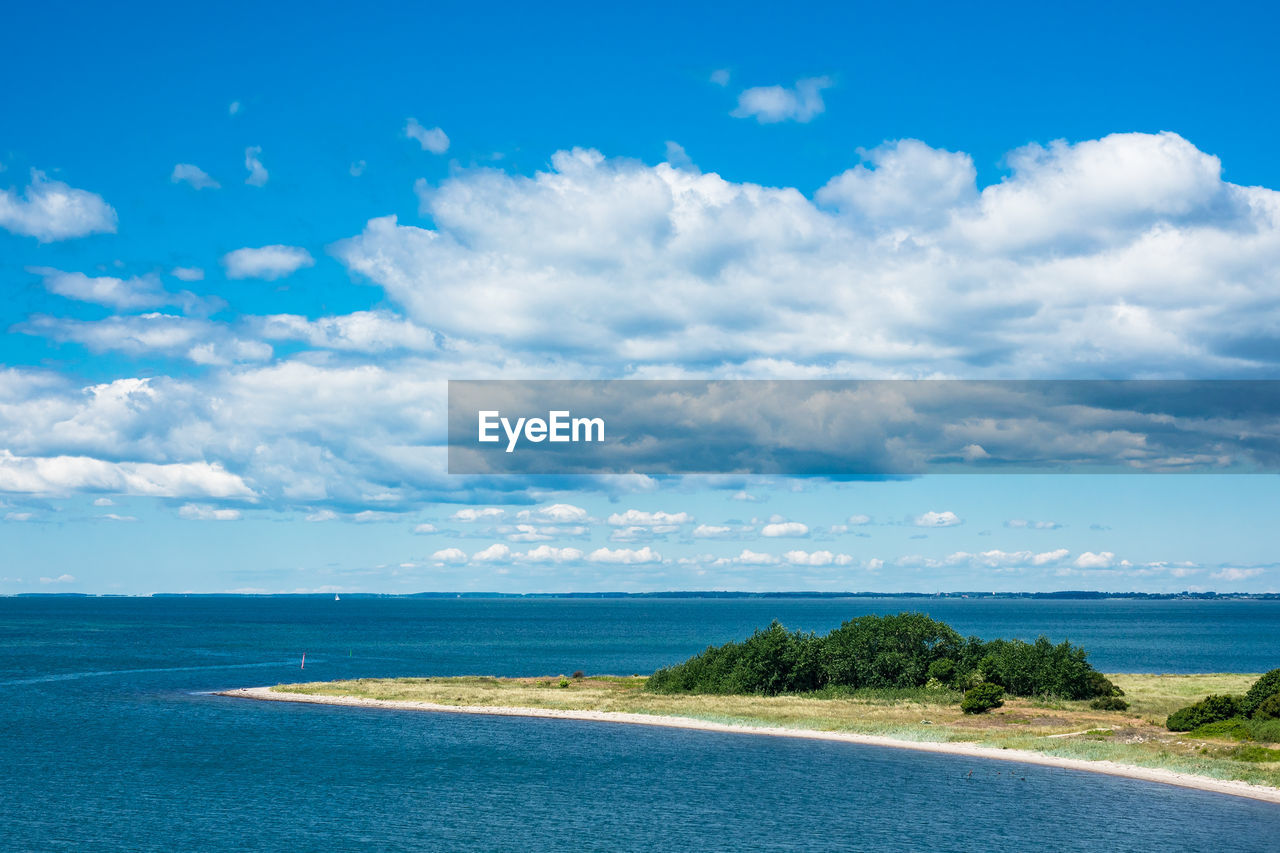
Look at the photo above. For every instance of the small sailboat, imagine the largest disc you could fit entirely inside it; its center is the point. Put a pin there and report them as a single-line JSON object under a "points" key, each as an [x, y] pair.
{"points": [[304, 661], [336, 598]]}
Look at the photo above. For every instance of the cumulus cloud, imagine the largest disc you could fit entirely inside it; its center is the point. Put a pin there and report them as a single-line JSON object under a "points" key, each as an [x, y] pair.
{"points": [[267, 262], [495, 553], [1236, 574], [817, 558], [937, 519], [124, 294], [258, 173], [772, 104], [63, 474], [360, 331], [660, 521], [1074, 265], [470, 513], [712, 531], [197, 178], [1099, 560], [198, 341], [450, 556], [208, 512], [858, 520], [51, 210], [554, 513], [431, 139], [625, 556], [790, 529]]}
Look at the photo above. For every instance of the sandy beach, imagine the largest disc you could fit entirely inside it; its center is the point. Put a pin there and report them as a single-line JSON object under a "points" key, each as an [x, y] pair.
{"points": [[1146, 774]]}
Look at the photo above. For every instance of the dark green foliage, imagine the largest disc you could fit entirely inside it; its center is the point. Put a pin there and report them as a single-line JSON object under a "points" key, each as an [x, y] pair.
{"points": [[1041, 668], [1267, 731], [894, 652], [982, 698], [1211, 709], [1235, 728], [887, 651], [943, 670], [1265, 687], [771, 661], [1268, 710], [1109, 703]]}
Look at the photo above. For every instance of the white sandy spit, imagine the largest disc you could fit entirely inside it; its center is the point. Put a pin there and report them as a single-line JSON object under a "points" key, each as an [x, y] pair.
{"points": [[1112, 768]]}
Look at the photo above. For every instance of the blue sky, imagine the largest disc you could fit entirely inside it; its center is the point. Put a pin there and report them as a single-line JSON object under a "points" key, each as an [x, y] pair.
{"points": [[215, 330]]}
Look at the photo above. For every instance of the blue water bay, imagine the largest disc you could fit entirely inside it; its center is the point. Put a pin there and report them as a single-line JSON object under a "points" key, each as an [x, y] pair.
{"points": [[112, 741]]}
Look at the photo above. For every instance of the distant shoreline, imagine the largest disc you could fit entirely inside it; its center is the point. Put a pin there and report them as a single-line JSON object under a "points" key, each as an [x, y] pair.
{"points": [[1147, 774]]}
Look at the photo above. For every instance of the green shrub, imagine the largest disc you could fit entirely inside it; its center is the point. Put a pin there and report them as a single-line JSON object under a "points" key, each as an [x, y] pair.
{"points": [[1109, 703], [1211, 709], [1268, 710], [982, 698], [1264, 688], [1267, 731], [893, 652], [1236, 728]]}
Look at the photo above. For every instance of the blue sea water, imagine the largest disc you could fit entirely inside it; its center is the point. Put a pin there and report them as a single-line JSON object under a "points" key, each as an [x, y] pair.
{"points": [[110, 741]]}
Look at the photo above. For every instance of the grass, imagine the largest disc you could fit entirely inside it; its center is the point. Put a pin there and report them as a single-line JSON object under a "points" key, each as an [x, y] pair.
{"points": [[1136, 736]]}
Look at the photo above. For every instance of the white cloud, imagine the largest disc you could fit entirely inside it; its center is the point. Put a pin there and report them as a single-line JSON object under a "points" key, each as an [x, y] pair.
{"points": [[59, 579], [51, 210], [362, 331], [754, 558], [711, 531], [817, 558], [625, 556], [199, 341], [555, 513], [1100, 560], [104, 502], [1024, 524], [495, 553], [937, 519], [549, 554], [643, 518], [745, 497], [720, 76], [195, 176], [452, 556], [908, 184], [187, 273], [356, 169], [425, 528], [111, 516], [19, 516], [1048, 273], [268, 262], [469, 514], [790, 529], [208, 512], [772, 104], [859, 520], [321, 515], [233, 108], [258, 174], [62, 474], [1235, 574], [124, 294], [431, 139]]}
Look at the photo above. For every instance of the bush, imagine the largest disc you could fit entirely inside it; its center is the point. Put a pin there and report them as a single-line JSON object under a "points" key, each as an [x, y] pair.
{"points": [[905, 651], [982, 698], [1267, 731], [1211, 709], [577, 673], [1109, 703], [1264, 688], [1235, 728], [1268, 710]]}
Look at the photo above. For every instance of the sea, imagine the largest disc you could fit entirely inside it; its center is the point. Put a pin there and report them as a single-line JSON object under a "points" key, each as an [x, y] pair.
{"points": [[111, 738]]}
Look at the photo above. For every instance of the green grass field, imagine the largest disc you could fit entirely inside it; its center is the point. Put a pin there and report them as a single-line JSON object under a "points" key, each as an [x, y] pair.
{"points": [[1062, 728]]}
